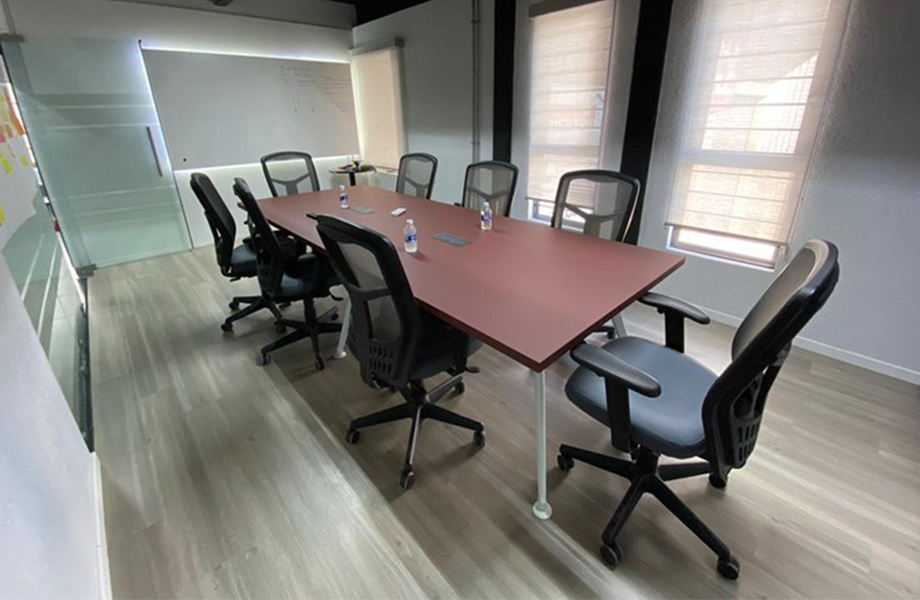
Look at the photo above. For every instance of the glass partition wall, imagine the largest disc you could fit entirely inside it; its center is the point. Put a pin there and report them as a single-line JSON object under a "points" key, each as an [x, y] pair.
{"points": [[94, 129], [53, 296]]}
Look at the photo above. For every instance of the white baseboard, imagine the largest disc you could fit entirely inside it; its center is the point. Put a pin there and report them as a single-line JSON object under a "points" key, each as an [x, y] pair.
{"points": [[102, 549], [847, 356]]}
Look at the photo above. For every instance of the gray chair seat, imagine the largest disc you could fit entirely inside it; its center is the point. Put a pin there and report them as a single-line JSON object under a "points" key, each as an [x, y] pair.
{"points": [[243, 261], [437, 349], [672, 423]]}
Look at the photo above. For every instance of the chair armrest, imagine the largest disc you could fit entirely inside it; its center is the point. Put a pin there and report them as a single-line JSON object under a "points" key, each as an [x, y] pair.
{"points": [[606, 365], [667, 304], [674, 311]]}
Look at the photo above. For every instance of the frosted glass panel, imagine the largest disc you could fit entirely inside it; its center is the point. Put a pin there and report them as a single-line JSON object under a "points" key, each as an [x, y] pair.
{"points": [[94, 129], [50, 294]]}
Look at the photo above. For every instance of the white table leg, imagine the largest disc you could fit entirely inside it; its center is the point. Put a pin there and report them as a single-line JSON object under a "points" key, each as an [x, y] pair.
{"points": [[343, 335], [541, 507], [620, 324]]}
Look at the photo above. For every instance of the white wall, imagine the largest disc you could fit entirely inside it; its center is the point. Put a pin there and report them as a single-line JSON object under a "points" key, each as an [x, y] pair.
{"points": [[626, 19], [437, 64], [49, 531], [863, 193], [176, 28]]}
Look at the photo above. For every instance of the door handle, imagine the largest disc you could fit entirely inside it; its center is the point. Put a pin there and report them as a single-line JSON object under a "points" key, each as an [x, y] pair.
{"points": [[153, 148]]}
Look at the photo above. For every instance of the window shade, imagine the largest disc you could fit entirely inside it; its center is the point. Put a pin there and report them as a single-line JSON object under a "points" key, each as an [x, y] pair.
{"points": [[571, 59], [756, 96], [378, 104]]}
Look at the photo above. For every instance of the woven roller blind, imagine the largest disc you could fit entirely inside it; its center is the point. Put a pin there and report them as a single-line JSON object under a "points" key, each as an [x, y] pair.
{"points": [[757, 91], [571, 59], [378, 103]]}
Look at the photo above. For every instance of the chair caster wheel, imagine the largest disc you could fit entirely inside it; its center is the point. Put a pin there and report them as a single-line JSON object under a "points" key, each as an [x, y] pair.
{"points": [[280, 327], [234, 305], [473, 369], [460, 388], [611, 335], [352, 436], [407, 478], [479, 439], [226, 327], [263, 359], [718, 482], [611, 555], [729, 569], [566, 463]]}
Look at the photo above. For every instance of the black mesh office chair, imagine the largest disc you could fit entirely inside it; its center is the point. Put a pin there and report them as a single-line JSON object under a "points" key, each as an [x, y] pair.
{"points": [[657, 401], [235, 262], [416, 175], [288, 279], [490, 180], [292, 171], [397, 344], [601, 204]]}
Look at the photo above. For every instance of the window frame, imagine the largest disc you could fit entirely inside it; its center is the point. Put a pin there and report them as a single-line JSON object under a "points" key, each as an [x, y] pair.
{"points": [[543, 10], [691, 154]]}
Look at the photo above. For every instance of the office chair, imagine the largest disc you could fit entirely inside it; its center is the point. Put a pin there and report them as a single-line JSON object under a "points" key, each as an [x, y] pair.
{"points": [[601, 204], [285, 169], [416, 175], [235, 262], [288, 279], [657, 401], [397, 344], [490, 180]]}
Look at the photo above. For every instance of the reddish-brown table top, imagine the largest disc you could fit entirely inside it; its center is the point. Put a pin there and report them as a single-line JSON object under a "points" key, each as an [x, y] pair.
{"points": [[527, 290]]}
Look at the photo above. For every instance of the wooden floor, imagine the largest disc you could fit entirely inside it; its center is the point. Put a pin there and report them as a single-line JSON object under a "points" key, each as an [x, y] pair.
{"points": [[224, 479]]}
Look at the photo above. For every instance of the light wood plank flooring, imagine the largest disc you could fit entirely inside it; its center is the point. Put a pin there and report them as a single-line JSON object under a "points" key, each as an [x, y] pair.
{"points": [[224, 479]]}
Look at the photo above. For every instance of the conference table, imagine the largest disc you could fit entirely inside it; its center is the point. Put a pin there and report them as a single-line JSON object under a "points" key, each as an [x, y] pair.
{"points": [[529, 291]]}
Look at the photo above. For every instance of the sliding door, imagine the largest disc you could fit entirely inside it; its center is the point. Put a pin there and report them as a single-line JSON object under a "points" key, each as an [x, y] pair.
{"points": [[90, 114]]}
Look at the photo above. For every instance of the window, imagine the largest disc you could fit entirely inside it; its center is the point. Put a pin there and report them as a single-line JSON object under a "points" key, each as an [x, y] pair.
{"points": [[755, 99], [571, 60], [378, 104]]}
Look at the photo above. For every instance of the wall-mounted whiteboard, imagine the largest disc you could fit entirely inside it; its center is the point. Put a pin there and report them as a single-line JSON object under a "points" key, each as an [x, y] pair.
{"points": [[219, 110]]}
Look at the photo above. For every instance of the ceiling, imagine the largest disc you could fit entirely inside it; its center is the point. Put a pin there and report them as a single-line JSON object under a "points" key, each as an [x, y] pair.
{"points": [[329, 13]]}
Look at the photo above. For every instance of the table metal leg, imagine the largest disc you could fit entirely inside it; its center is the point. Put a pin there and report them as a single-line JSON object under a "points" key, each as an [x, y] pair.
{"points": [[343, 335], [541, 507], [620, 324]]}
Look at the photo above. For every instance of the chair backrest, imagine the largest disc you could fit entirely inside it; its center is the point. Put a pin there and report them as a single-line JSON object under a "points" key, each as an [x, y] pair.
{"points": [[597, 202], [734, 406], [223, 227], [416, 175], [270, 259], [490, 180], [385, 319], [293, 172]]}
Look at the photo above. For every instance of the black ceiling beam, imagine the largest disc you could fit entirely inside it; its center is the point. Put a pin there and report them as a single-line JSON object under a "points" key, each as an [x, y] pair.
{"points": [[370, 10]]}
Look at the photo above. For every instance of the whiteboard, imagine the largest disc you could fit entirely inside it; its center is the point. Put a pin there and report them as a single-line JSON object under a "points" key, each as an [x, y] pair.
{"points": [[220, 110]]}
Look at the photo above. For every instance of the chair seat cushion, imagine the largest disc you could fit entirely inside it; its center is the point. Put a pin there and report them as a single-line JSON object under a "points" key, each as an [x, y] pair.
{"points": [[440, 348], [672, 423], [293, 289], [242, 262]]}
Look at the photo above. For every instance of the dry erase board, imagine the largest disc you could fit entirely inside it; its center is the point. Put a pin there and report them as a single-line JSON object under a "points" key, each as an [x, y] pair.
{"points": [[219, 110]]}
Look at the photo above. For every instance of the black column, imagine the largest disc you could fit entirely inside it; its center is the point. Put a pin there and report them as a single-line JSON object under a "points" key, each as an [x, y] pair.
{"points": [[503, 83], [645, 90]]}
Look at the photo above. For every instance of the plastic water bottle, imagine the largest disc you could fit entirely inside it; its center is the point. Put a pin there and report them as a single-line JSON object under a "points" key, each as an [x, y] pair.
{"points": [[410, 234], [485, 216], [343, 197]]}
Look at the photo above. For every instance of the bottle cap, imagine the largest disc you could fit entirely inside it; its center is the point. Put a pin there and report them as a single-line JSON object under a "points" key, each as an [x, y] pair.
{"points": [[408, 221]]}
